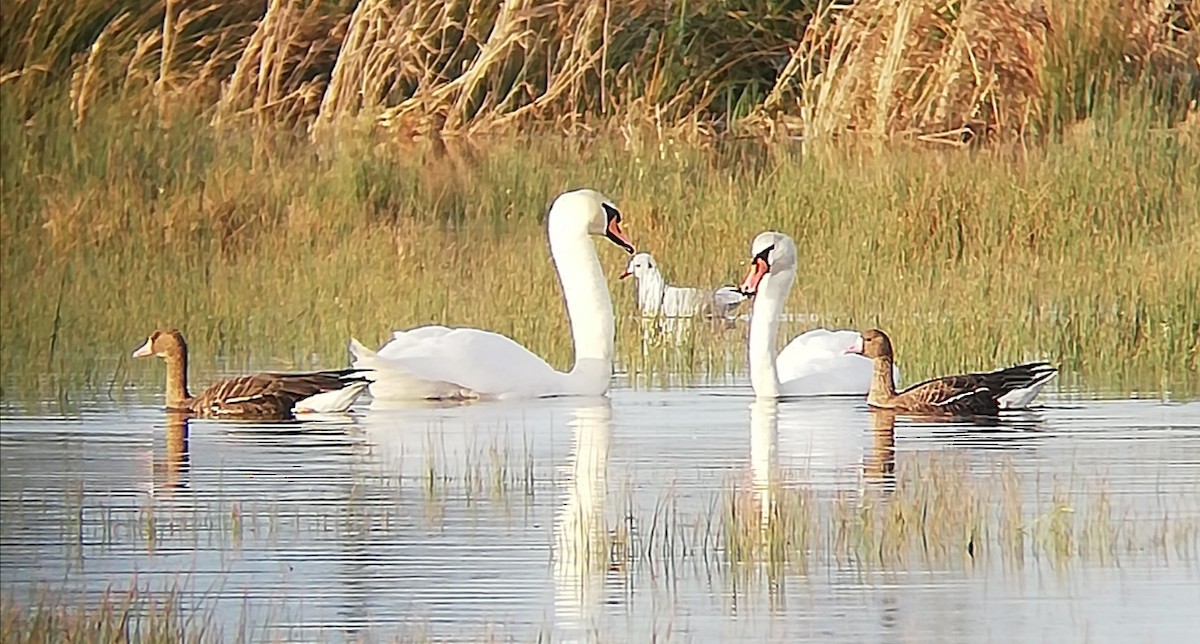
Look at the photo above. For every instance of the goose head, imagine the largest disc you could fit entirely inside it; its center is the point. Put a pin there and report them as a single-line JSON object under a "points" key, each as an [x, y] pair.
{"points": [[639, 266], [872, 343], [772, 254], [591, 213], [163, 343]]}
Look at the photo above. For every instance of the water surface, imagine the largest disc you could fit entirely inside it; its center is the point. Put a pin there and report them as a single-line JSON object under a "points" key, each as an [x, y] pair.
{"points": [[615, 519]]}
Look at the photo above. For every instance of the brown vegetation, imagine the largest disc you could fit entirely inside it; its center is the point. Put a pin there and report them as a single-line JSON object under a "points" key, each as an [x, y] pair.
{"points": [[942, 70]]}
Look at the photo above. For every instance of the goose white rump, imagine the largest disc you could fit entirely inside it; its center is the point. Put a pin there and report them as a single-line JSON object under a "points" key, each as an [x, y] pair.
{"points": [[812, 364], [437, 362]]}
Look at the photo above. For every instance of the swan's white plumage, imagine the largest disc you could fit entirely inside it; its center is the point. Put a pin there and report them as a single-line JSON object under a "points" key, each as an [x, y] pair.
{"points": [[440, 362], [813, 363]]}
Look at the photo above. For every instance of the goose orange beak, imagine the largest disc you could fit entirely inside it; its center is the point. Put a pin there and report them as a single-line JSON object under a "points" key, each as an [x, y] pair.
{"points": [[623, 275], [758, 270], [614, 235]]}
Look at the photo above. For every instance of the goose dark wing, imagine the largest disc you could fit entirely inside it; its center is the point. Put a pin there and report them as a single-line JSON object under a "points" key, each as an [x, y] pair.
{"points": [[963, 394], [1020, 376], [936, 391], [270, 394]]}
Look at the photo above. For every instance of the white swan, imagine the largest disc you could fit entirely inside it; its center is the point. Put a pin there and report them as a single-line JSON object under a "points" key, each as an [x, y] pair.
{"points": [[655, 297], [436, 362], [813, 363]]}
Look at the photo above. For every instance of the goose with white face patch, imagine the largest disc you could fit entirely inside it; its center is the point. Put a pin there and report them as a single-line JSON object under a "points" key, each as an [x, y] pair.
{"points": [[262, 396], [968, 394], [814, 363], [436, 362]]}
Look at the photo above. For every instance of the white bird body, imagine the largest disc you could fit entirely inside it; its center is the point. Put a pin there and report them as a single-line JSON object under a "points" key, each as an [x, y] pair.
{"points": [[331, 402], [813, 363], [656, 298], [437, 362]]}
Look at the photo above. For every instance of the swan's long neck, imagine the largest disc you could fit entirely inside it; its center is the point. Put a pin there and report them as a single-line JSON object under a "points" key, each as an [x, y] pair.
{"points": [[177, 389], [589, 307], [651, 288], [883, 387], [764, 325]]}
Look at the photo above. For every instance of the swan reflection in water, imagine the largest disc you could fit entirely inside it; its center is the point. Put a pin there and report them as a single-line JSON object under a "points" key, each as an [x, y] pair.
{"points": [[764, 435], [875, 455], [581, 553]]}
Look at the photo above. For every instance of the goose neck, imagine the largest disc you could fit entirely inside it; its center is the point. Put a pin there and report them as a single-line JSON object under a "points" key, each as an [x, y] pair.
{"points": [[177, 385], [883, 387]]}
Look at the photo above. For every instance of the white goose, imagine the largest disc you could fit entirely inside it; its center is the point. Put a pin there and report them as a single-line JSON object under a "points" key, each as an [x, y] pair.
{"points": [[436, 362], [813, 363], [655, 297]]}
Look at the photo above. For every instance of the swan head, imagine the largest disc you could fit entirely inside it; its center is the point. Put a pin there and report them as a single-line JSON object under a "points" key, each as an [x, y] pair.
{"points": [[163, 343], [872, 343], [772, 253], [639, 266], [590, 212]]}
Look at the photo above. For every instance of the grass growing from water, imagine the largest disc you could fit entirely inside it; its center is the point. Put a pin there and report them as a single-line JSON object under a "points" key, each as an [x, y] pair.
{"points": [[273, 252], [932, 513]]}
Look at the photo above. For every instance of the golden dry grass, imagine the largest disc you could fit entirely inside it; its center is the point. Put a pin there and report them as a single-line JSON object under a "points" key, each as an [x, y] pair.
{"points": [[943, 71]]}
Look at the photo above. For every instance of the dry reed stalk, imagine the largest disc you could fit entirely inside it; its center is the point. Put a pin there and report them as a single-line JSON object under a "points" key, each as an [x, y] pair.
{"points": [[270, 80], [919, 67], [85, 77], [168, 48]]}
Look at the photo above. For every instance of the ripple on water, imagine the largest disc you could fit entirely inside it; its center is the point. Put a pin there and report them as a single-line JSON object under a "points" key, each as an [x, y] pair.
{"points": [[626, 518]]}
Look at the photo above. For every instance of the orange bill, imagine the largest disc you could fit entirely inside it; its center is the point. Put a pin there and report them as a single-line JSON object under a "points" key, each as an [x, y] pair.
{"points": [[758, 270], [614, 234]]}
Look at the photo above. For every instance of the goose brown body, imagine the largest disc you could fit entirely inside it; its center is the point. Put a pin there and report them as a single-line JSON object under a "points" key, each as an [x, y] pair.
{"points": [[969, 394], [260, 396]]}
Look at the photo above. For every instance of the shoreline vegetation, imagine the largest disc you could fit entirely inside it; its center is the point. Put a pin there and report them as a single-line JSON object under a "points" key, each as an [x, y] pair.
{"points": [[991, 182]]}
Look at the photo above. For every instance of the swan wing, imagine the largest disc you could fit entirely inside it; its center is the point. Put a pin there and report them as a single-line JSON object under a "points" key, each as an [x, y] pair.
{"points": [[816, 363], [440, 362]]}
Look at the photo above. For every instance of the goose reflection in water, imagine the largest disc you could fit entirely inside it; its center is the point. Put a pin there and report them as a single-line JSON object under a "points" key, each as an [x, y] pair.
{"points": [[879, 461], [172, 472], [581, 553]]}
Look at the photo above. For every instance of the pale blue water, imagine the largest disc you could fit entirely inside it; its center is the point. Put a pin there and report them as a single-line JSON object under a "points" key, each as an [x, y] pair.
{"points": [[338, 530]]}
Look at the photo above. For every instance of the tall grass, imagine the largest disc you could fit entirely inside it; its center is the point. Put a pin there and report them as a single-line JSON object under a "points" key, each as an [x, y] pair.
{"points": [[1082, 251], [276, 182]]}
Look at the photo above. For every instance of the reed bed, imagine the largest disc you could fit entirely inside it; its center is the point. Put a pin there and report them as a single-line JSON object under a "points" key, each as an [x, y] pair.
{"points": [[947, 71], [1081, 251], [276, 177]]}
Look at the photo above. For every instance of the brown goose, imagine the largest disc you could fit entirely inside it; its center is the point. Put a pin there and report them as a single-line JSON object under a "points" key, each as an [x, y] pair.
{"points": [[262, 396], [970, 394]]}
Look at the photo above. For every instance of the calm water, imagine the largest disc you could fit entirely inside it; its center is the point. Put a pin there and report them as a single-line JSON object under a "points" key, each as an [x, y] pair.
{"points": [[608, 520]]}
